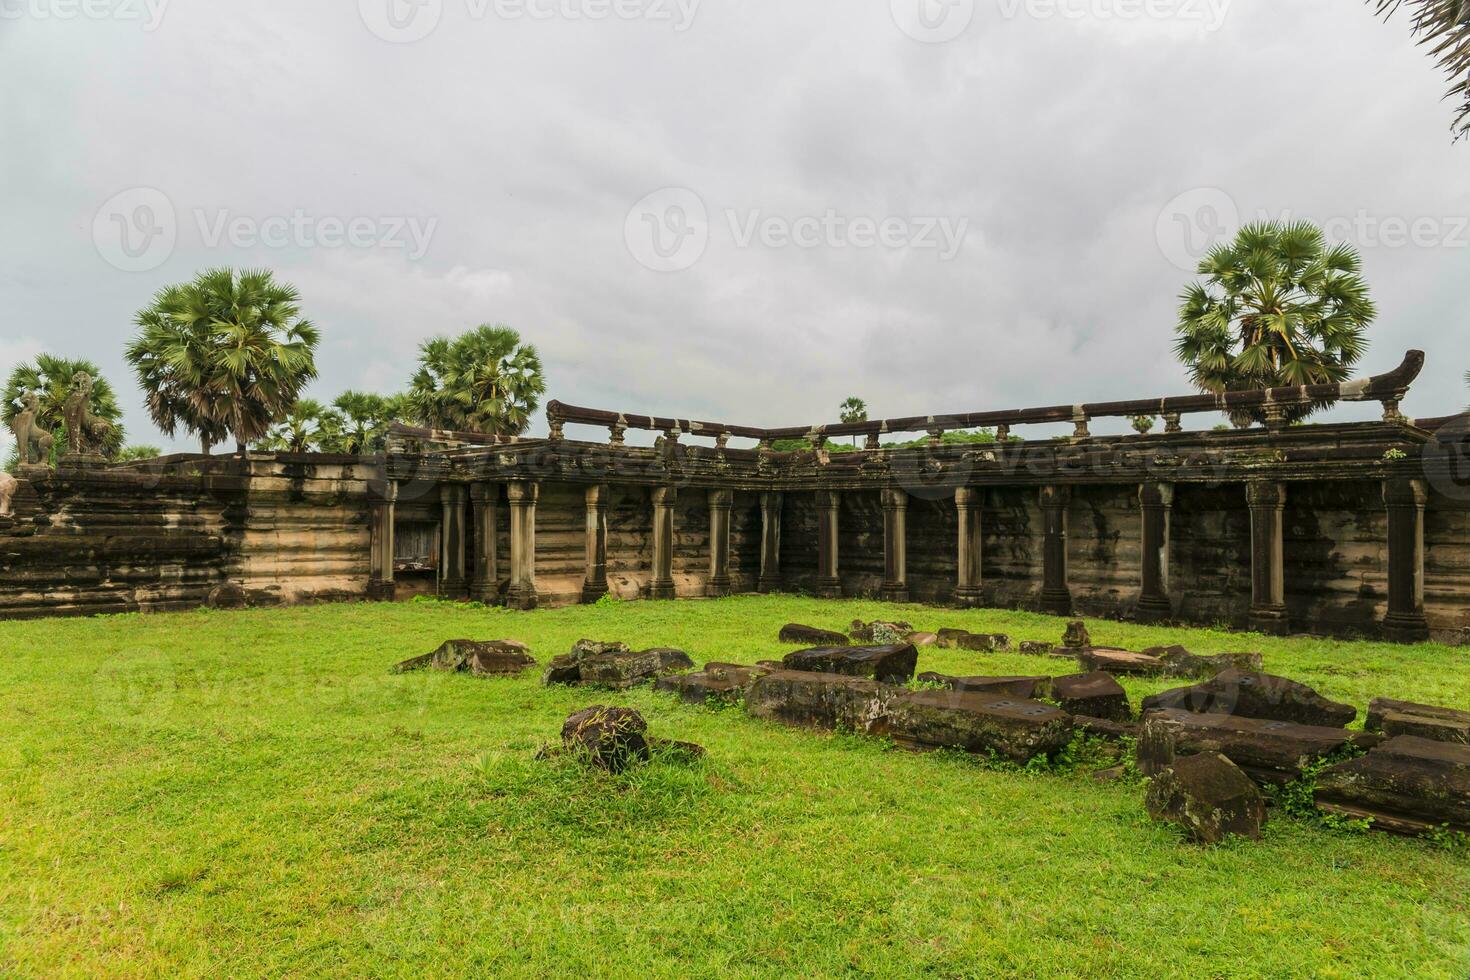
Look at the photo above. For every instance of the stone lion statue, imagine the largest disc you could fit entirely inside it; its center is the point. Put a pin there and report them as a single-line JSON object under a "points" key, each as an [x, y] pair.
{"points": [[8, 484], [84, 431], [32, 442]]}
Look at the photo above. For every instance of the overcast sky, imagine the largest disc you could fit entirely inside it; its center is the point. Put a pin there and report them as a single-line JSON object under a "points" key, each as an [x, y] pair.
{"points": [[732, 210]]}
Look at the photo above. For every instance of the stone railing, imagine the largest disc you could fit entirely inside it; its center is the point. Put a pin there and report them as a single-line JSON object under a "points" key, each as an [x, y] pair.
{"points": [[1389, 389]]}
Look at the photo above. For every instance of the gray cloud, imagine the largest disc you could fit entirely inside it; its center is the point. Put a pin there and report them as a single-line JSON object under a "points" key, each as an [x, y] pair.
{"points": [[1060, 141]]}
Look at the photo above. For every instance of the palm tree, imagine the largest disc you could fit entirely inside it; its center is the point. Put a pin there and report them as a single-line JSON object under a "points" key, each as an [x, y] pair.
{"points": [[853, 410], [366, 417], [226, 354], [485, 381], [50, 378], [1278, 307], [1443, 25], [307, 426]]}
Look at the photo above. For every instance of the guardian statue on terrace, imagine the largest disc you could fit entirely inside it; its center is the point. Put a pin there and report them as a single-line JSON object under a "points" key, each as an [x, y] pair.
{"points": [[84, 431], [32, 443]]}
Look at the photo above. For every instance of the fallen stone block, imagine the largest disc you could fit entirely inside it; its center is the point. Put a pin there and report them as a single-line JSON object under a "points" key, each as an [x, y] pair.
{"points": [[1407, 785], [1095, 695], [922, 639], [1271, 752], [1256, 695], [1077, 637], [811, 636], [609, 738], [1115, 661], [1179, 662], [825, 701], [1114, 731], [1016, 729], [1209, 797], [984, 642], [879, 631], [893, 664], [1424, 720], [949, 639], [745, 674], [613, 665], [1036, 648], [481, 658], [701, 688], [1015, 687]]}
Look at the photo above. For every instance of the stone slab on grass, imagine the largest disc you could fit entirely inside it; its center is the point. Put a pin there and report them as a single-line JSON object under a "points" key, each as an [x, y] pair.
{"points": [[1271, 752], [1424, 720], [824, 701], [1095, 695], [1407, 785], [1256, 695], [812, 636], [1115, 661], [481, 658], [1016, 687], [1209, 796], [891, 664], [1012, 728]]}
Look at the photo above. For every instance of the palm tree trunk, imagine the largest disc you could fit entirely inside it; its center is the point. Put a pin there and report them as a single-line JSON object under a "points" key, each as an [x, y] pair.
{"points": [[205, 444]]}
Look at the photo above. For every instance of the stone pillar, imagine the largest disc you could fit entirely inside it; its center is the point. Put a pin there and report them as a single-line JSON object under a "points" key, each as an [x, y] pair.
{"points": [[452, 582], [381, 518], [829, 583], [720, 502], [485, 583], [1157, 503], [1405, 621], [1056, 596], [662, 586], [770, 580], [895, 545], [1268, 569], [522, 591], [594, 585], [968, 502]]}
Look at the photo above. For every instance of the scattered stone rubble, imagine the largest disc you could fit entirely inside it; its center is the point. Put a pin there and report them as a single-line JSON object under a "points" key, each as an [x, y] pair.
{"points": [[1208, 748], [481, 658], [613, 665]]}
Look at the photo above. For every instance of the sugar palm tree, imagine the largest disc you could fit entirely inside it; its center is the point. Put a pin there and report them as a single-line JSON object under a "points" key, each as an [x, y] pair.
{"points": [[50, 378], [485, 380], [853, 410], [226, 354], [365, 419], [307, 425], [1443, 26], [1279, 307]]}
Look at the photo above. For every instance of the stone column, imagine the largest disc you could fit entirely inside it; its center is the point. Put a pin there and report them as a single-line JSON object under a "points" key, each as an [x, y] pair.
{"points": [[1405, 621], [1268, 569], [662, 586], [829, 583], [1157, 503], [452, 582], [968, 502], [895, 545], [522, 591], [1056, 596], [594, 586], [720, 502], [485, 583], [381, 518], [770, 580]]}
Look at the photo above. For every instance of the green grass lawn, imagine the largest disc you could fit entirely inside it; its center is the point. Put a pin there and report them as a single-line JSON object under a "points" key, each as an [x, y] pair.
{"points": [[252, 792]]}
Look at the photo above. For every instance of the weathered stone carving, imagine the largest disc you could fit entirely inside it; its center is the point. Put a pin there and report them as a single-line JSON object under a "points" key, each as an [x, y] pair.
{"points": [[8, 485], [32, 442], [84, 431]]}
